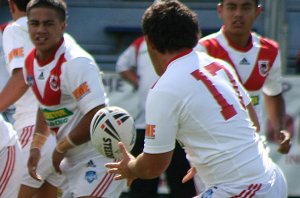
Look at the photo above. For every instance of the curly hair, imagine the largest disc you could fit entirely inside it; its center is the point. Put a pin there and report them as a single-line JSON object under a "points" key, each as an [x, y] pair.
{"points": [[170, 25]]}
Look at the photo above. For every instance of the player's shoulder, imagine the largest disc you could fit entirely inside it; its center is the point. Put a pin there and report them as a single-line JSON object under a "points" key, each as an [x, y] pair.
{"points": [[265, 42], [75, 52], [210, 41], [211, 36], [10, 29], [138, 43]]}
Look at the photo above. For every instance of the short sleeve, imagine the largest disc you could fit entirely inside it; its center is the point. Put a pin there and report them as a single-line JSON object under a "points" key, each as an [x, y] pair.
{"points": [[162, 118], [83, 80], [127, 59], [273, 83], [15, 47]]}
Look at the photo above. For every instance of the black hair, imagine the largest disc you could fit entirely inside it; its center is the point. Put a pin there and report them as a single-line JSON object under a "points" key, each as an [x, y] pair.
{"points": [[21, 4], [170, 26], [58, 5]]}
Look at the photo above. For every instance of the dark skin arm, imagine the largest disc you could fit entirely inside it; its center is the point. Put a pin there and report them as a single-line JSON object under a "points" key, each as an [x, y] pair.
{"points": [[275, 108], [130, 76], [79, 135], [13, 90], [253, 116], [35, 153], [144, 166]]}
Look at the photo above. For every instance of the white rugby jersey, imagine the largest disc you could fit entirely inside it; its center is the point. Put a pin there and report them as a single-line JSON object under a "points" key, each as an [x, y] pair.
{"points": [[16, 45], [136, 55], [201, 103], [67, 87], [3, 71], [258, 65], [8, 135]]}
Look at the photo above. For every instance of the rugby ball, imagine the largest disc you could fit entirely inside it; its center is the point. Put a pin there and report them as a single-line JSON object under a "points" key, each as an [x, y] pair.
{"points": [[109, 126]]}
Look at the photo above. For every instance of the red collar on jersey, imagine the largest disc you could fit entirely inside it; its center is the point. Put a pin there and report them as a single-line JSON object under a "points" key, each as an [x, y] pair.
{"points": [[180, 55], [51, 58], [235, 46]]}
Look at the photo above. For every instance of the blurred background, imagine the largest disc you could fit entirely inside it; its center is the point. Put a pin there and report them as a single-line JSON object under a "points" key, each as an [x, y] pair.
{"points": [[106, 27]]}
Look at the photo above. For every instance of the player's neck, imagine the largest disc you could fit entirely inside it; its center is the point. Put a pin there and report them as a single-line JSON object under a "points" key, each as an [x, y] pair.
{"points": [[18, 15], [241, 41]]}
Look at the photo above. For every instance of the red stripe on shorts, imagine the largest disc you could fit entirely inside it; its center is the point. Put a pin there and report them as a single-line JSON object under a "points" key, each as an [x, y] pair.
{"points": [[250, 192], [27, 132], [9, 167]]}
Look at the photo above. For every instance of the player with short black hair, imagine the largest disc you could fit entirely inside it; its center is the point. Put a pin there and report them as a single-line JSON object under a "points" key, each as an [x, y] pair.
{"points": [[198, 101]]}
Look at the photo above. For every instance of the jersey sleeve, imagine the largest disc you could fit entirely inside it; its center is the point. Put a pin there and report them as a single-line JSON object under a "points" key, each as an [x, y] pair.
{"points": [[162, 115], [13, 47], [273, 83], [127, 59], [83, 80]]}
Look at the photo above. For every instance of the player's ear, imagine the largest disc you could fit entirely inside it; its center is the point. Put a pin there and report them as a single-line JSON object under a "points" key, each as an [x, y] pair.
{"points": [[63, 25], [219, 10], [258, 10]]}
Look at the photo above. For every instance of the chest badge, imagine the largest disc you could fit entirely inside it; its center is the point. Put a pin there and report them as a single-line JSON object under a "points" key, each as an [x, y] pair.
{"points": [[54, 83], [263, 67]]}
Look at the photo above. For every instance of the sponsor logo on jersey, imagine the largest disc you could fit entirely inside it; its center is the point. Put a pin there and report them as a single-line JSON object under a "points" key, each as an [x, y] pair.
{"points": [[54, 83], [150, 131], [244, 61], [90, 176], [17, 52], [255, 100], [263, 67], [81, 91], [57, 117]]}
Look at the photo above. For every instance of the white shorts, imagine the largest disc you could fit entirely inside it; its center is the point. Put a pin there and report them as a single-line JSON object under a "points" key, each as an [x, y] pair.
{"points": [[275, 188], [89, 177], [45, 168], [11, 170]]}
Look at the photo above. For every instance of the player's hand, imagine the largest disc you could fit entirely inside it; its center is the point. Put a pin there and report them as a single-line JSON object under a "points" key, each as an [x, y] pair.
{"points": [[190, 174], [284, 140], [56, 160], [121, 168], [33, 160]]}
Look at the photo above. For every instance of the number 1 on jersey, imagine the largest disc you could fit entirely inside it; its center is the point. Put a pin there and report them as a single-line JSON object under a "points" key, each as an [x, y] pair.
{"points": [[228, 110]]}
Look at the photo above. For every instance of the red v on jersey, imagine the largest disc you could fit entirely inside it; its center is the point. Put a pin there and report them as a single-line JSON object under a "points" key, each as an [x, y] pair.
{"points": [[265, 59], [52, 92]]}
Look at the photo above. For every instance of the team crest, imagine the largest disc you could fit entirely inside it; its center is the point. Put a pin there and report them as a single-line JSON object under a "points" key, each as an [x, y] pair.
{"points": [[30, 80], [263, 67], [54, 83], [209, 193], [90, 176]]}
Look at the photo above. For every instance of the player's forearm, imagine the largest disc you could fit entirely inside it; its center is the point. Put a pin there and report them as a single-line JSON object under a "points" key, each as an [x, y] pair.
{"points": [[81, 133], [141, 170], [131, 77], [41, 132], [253, 116], [13, 90], [143, 167], [275, 108]]}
